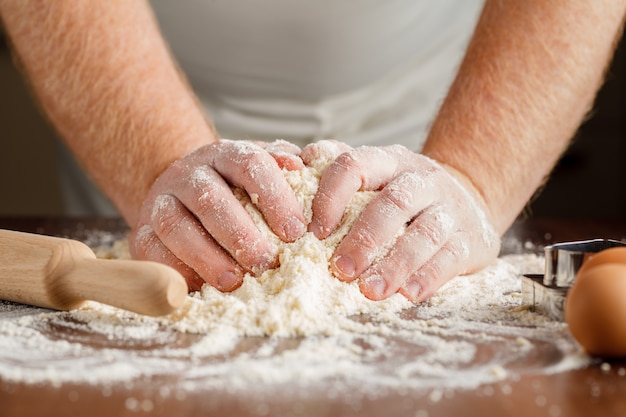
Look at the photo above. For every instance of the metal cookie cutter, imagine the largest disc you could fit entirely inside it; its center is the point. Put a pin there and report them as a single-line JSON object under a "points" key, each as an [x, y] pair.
{"points": [[546, 293]]}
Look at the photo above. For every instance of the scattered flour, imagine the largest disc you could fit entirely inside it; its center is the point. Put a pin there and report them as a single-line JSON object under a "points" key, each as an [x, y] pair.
{"points": [[298, 327]]}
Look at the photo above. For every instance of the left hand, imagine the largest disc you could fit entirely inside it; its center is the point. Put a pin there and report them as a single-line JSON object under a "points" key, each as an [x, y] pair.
{"points": [[437, 215], [192, 221]]}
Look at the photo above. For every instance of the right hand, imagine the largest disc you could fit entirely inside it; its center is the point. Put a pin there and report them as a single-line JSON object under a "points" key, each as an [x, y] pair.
{"points": [[192, 221], [430, 217]]}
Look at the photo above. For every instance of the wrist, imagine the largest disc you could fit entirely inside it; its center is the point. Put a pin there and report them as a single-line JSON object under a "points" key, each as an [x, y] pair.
{"points": [[490, 215]]}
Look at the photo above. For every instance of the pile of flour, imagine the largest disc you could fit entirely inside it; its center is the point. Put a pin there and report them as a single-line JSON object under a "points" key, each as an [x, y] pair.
{"points": [[298, 326]]}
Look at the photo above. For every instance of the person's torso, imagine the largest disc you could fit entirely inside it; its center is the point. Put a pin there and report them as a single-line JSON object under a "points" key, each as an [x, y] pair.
{"points": [[310, 69]]}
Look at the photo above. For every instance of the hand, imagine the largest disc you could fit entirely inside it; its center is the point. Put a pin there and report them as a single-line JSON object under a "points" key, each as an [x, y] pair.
{"points": [[192, 221], [434, 214]]}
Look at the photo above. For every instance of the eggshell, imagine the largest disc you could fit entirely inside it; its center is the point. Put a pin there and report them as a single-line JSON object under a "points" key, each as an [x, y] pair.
{"points": [[595, 309], [611, 255]]}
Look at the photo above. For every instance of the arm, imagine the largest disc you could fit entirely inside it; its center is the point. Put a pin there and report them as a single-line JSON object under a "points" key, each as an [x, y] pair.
{"points": [[105, 79], [529, 76]]}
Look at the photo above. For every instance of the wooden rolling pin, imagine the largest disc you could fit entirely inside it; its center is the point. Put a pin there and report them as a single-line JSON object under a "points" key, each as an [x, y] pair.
{"points": [[62, 274]]}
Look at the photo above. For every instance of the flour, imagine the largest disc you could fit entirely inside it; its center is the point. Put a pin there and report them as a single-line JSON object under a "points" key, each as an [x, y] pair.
{"points": [[300, 297], [473, 331], [297, 327]]}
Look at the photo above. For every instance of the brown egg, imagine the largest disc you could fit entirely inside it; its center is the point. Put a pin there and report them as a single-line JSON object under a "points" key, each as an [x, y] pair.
{"points": [[612, 255], [595, 309]]}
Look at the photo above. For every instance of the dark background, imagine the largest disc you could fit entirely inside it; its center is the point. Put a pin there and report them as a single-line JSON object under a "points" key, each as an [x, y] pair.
{"points": [[589, 181]]}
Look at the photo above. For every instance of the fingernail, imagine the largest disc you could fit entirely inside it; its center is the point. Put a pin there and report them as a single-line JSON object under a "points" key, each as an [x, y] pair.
{"points": [[294, 228], [376, 286], [228, 281], [345, 266], [412, 290], [315, 227]]}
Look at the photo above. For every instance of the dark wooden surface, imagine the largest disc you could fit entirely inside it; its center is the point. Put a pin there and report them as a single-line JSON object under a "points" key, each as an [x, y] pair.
{"points": [[595, 390]]}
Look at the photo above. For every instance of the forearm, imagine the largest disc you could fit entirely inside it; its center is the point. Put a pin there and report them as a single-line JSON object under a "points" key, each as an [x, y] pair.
{"points": [[529, 77], [105, 79]]}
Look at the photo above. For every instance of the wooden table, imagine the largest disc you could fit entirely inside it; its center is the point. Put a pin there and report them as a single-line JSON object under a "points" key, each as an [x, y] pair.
{"points": [[595, 390]]}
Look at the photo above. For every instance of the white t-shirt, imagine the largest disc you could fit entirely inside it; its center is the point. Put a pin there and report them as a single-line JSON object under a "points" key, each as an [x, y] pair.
{"points": [[365, 72], [360, 71]]}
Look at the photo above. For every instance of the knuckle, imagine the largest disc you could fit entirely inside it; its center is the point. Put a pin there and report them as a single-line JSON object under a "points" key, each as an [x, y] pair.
{"points": [[396, 198], [242, 161], [433, 227], [400, 193], [457, 250], [366, 238], [142, 241], [213, 197], [166, 216], [203, 179], [346, 162], [400, 263], [345, 169], [433, 233], [253, 157], [250, 159], [210, 205]]}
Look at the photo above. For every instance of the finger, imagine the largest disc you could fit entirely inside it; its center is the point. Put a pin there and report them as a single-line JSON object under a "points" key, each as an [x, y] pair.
{"points": [[383, 218], [286, 154], [181, 233], [446, 264], [250, 167], [365, 168], [287, 161], [212, 202], [146, 245], [420, 241], [323, 152], [278, 145]]}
